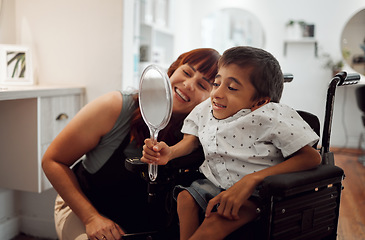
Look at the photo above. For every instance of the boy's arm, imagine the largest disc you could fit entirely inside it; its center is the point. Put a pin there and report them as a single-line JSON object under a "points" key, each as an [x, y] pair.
{"points": [[305, 158], [186, 146], [160, 153], [230, 201]]}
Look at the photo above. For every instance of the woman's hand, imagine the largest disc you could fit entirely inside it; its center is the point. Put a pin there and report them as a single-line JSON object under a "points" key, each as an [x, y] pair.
{"points": [[158, 153], [231, 200], [101, 228]]}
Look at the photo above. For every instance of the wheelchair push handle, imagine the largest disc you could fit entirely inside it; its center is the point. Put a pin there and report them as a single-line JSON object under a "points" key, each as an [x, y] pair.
{"points": [[343, 78], [288, 77], [352, 78], [340, 79]]}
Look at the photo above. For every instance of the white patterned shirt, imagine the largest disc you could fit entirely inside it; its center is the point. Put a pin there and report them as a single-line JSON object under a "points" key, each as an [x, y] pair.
{"points": [[247, 141]]}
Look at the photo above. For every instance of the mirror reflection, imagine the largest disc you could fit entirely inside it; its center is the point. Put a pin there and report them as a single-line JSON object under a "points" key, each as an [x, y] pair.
{"points": [[231, 27], [154, 98], [353, 42]]}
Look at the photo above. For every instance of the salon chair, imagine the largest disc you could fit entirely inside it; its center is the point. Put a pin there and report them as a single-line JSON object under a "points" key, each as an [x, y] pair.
{"points": [[360, 98], [299, 205]]}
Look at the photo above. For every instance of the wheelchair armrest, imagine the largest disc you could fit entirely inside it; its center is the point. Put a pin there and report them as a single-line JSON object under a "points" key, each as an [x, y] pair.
{"points": [[135, 165], [284, 185]]}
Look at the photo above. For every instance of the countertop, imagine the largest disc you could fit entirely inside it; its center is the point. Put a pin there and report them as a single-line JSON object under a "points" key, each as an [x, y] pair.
{"points": [[33, 91]]}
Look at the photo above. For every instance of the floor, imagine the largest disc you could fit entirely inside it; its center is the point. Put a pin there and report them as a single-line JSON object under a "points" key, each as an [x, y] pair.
{"points": [[351, 224]]}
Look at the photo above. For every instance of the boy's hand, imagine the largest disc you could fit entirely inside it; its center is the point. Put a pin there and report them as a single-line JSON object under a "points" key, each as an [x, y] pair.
{"points": [[157, 153], [231, 200]]}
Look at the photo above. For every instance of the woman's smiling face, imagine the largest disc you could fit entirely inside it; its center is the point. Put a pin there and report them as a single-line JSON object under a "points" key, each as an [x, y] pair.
{"points": [[190, 87]]}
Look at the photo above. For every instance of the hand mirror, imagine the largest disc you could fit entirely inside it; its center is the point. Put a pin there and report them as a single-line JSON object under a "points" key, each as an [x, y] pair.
{"points": [[155, 102]]}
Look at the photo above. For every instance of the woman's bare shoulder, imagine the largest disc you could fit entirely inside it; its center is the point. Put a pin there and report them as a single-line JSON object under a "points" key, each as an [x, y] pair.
{"points": [[114, 101], [101, 113], [110, 103], [84, 131]]}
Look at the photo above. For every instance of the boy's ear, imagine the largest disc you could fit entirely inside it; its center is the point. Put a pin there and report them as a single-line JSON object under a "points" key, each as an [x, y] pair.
{"points": [[263, 102], [260, 103]]}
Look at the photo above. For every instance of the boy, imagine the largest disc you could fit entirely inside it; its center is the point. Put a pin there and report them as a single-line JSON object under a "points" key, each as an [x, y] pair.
{"points": [[245, 134]]}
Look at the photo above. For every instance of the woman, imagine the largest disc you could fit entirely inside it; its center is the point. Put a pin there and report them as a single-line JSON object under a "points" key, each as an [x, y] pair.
{"points": [[98, 198]]}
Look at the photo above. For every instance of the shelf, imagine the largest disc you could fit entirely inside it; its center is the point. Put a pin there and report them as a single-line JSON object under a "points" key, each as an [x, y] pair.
{"points": [[301, 41], [157, 28]]}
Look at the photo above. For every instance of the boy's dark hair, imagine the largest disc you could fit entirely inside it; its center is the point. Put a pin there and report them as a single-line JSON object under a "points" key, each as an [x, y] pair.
{"points": [[266, 75]]}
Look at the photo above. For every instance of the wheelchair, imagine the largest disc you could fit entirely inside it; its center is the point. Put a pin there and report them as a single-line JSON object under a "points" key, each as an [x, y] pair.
{"points": [[299, 205]]}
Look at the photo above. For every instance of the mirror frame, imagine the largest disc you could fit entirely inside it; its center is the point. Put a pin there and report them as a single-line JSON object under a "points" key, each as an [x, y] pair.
{"points": [[354, 27], [154, 129]]}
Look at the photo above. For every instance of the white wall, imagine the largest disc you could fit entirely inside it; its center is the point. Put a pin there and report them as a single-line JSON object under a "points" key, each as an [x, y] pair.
{"points": [[76, 42], [7, 21], [308, 90]]}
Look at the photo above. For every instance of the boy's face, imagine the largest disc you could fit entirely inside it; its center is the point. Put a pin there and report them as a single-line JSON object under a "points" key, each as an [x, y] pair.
{"points": [[232, 91]]}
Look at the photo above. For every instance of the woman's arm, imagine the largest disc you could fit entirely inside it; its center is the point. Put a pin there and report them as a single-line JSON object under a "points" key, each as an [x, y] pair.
{"points": [[231, 200], [80, 136], [161, 153]]}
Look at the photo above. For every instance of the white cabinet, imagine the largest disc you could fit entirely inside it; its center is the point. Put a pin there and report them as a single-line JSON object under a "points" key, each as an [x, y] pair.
{"points": [[156, 45], [156, 36], [29, 120], [150, 39]]}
